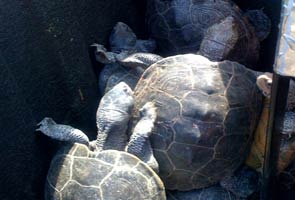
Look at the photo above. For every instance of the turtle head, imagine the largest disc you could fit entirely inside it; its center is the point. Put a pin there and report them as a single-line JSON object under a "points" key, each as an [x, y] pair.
{"points": [[264, 83], [260, 21], [122, 38]]}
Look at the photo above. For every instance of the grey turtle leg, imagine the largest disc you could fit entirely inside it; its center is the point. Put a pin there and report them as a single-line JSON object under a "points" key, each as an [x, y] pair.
{"points": [[62, 132], [143, 60], [102, 55], [139, 143]]}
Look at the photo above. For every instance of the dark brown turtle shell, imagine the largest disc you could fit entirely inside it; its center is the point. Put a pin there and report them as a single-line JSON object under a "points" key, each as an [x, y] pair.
{"points": [[77, 173], [207, 112], [180, 27]]}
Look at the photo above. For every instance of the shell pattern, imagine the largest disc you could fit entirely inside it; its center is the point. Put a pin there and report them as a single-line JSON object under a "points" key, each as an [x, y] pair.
{"points": [[207, 112], [180, 26], [77, 173]]}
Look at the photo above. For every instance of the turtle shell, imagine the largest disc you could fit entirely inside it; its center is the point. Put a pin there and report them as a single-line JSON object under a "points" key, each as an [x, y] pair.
{"points": [[180, 27], [78, 173], [207, 112]]}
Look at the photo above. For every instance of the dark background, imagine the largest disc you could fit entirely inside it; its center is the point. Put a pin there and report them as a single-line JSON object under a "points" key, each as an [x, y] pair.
{"points": [[46, 70]]}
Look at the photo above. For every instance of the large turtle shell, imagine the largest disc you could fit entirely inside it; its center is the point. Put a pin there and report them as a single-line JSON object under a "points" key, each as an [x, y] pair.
{"points": [[207, 112], [77, 173], [180, 26]]}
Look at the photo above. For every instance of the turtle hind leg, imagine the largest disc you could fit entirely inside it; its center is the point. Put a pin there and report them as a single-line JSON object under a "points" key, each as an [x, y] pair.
{"points": [[62, 132], [139, 144]]}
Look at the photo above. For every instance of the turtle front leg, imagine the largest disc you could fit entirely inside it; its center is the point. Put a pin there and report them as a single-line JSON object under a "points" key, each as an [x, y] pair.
{"points": [[62, 132], [139, 143], [143, 60], [102, 55]]}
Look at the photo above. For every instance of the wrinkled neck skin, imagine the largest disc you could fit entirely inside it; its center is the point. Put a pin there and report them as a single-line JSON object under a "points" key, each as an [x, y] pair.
{"points": [[112, 130], [112, 116]]}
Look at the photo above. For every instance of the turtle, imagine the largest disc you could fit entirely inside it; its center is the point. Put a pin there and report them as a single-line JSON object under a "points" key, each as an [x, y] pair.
{"points": [[239, 186], [123, 42], [105, 168], [218, 29], [207, 112]]}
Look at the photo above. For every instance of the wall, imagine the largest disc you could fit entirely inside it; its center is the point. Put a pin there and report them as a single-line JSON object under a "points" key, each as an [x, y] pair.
{"points": [[46, 71]]}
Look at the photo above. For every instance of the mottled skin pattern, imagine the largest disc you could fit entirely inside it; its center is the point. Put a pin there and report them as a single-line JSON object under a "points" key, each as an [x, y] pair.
{"points": [[181, 26], [48, 126], [112, 117], [207, 112]]}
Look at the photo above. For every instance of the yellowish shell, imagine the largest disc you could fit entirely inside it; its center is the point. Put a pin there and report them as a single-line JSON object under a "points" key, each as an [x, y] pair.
{"points": [[256, 156]]}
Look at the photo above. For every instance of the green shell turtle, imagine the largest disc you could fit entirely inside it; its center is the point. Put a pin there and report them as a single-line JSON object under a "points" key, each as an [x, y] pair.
{"points": [[107, 168]]}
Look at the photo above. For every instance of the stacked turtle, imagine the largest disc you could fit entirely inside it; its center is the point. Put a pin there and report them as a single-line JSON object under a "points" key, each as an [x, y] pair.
{"points": [[203, 107], [207, 112], [106, 168]]}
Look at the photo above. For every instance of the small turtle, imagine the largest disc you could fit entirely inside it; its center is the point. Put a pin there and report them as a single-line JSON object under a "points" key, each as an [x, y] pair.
{"points": [[217, 28], [101, 169], [207, 112], [123, 42]]}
